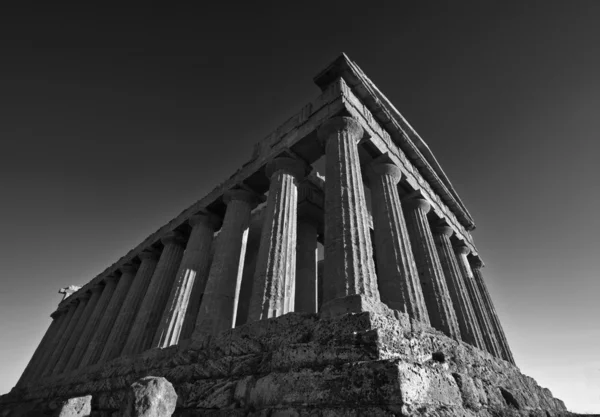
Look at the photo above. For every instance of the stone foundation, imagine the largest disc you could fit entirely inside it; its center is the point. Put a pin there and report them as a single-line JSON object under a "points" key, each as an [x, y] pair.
{"points": [[371, 364]]}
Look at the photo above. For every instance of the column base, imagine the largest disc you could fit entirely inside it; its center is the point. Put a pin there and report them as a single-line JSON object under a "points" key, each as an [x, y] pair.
{"points": [[356, 303]]}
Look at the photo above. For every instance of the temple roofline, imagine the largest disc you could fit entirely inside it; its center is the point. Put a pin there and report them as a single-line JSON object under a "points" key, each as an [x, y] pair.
{"points": [[390, 118]]}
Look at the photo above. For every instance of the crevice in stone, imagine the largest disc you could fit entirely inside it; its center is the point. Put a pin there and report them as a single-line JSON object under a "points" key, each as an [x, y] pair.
{"points": [[438, 357], [509, 398]]}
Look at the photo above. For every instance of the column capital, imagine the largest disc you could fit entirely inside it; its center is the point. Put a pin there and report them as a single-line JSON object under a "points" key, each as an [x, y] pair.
{"points": [[249, 197], [418, 202], [443, 229], [97, 287], [149, 253], [85, 296], [461, 248], [173, 237], [128, 269], [57, 313], [476, 262], [336, 125], [292, 166], [109, 278], [377, 168], [210, 220]]}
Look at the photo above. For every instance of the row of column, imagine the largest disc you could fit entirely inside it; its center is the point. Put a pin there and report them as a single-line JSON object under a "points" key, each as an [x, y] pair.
{"points": [[185, 291]]}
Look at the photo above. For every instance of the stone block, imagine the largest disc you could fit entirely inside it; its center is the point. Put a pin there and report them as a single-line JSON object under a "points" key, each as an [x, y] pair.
{"points": [[150, 397], [76, 407], [425, 385]]}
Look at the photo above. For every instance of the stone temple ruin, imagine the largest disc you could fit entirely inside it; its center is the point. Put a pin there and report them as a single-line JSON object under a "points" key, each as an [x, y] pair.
{"points": [[230, 303]]}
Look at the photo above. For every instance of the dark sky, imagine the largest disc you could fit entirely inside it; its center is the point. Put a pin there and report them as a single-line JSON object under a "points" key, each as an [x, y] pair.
{"points": [[112, 121]]}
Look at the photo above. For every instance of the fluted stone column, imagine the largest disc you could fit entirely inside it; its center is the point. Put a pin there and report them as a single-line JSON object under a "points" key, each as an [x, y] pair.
{"points": [[398, 278], [83, 322], [476, 265], [349, 267], [110, 283], [67, 317], [52, 362], [275, 274], [190, 281], [96, 345], [433, 282], [467, 321], [252, 246], [57, 318], [487, 331], [152, 307], [307, 286], [219, 305], [121, 328]]}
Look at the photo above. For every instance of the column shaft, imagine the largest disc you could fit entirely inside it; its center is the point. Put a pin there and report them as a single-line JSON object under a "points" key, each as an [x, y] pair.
{"points": [[467, 321], [219, 305], [120, 331], [78, 331], [275, 275], [252, 245], [152, 307], [52, 362], [190, 281], [57, 318], [349, 267], [493, 316], [398, 278], [487, 331], [98, 340], [91, 327], [433, 283], [306, 267], [67, 316]]}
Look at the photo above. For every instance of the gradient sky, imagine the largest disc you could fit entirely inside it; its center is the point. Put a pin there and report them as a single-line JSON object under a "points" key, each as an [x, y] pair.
{"points": [[114, 121]]}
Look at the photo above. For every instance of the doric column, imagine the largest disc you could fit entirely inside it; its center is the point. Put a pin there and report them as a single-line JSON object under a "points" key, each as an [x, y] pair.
{"points": [[57, 318], [148, 316], [110, 283], [433, 282], [476, 265], [467, 321], [275, 274], [190, 280], [219, 305], [349, 267], [307, 286], [252, 245], [82, 324], [120, 331], [67, 316], [487, 331], [96, 345], [398, 279], [52, 362]]}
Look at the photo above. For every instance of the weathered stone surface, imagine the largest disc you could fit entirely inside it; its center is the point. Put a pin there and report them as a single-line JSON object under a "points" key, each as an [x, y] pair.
{"points": [[301, 364], [190, 281], [433, 283], [349, 268], [275, 274], [398, 278], [150, 397], [467, 321], [218, 309], [120, 330], [76, 407], [483, 319], [150, 312]]}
